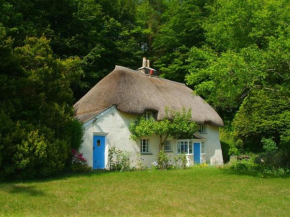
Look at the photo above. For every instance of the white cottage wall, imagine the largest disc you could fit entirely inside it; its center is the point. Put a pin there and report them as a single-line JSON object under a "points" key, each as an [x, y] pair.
{"points": [[213, 148], [115, 126]]}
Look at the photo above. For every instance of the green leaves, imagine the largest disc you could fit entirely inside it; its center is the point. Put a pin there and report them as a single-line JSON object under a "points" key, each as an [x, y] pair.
{"points": [[37, 125], [176, 124], [244, 67]]}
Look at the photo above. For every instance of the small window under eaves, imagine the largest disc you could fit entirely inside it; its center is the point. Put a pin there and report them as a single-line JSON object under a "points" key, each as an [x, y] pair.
{"points": [[147, 115]]}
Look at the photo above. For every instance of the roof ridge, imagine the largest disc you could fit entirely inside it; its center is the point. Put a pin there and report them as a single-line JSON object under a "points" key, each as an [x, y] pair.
{"points": [[152, 76]]}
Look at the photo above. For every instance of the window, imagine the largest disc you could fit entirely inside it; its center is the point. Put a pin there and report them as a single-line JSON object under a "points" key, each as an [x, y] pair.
{"points": [[167, 146], [144, 146], [203, 148], [184, 147], [148, 115], [190, 148], [202, 129]]}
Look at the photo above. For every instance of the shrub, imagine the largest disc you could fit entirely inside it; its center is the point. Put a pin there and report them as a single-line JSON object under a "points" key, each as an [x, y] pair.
{"points": [[203, 165], [28, 152], [181, 161], [79, 163], [269, 163], [269, 145], [274, 159], [246, 164], [162, 161], [276, 171], [118, 160]]}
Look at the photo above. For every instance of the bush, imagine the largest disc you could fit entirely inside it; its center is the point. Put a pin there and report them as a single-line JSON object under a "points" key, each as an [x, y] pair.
{"points": [[269, 145], [29, 151], [37, 127], [118, 160], [275, 159], [162, 161], [276, 171], [180, 161], [79, 163], [270, 163]]}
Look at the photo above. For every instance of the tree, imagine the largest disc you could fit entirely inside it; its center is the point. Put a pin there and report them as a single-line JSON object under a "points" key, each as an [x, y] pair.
{"points": [[179, 30], [246, 60], [37, 125], [174, 125], [262, 115]]}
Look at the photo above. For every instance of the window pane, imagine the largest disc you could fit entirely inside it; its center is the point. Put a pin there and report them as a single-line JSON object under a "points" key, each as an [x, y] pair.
{"points": [[144, 146], [190, 148], [167, 146]]}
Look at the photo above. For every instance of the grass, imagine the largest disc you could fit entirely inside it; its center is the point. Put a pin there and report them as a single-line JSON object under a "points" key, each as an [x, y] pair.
{"points": [[192, 192]]}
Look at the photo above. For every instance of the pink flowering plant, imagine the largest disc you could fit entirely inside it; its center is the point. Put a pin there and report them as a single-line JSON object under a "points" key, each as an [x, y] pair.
{"points": [[79, 163]]}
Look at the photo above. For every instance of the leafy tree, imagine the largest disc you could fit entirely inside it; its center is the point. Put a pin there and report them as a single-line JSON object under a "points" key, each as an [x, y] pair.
{"points": [[174, 125], [262, 115], [102, 34], [245, 63], [180, 29], [37, 125], [233, 64]]}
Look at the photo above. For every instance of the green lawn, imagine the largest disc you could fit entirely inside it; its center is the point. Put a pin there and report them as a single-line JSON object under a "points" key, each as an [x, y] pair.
{"points": [[192, 192]]}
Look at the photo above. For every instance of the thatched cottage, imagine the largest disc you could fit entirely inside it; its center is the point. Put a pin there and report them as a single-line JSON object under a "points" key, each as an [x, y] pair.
{"points": [[124, 95]]}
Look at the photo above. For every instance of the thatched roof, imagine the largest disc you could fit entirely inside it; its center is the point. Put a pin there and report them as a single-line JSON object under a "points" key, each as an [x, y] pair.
{"points": [[134, 92]]}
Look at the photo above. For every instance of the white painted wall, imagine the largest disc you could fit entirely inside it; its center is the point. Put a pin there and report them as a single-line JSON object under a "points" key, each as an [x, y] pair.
{"points": [[115, 126], [213, 148]]}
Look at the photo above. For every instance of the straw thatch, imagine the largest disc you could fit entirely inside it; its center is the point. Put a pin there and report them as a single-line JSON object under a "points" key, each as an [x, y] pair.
{"points": [[134, 92]]}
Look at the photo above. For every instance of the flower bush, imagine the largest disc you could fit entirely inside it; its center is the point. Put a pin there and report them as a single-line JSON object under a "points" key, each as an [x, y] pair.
{"points": [[79, 163]]}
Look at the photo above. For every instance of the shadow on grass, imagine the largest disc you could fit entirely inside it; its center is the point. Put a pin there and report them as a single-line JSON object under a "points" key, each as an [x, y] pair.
{"points": [[28, 190], [252, 173], [61, 176], [26, 187]]}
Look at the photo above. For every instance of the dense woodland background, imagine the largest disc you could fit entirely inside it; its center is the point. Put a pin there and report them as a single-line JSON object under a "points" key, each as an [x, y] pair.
{"points": [[235, 54]]}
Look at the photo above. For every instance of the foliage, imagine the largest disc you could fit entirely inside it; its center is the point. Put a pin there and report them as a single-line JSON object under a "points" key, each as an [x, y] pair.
{"points": [[101, 33], [79, 163], [180, 29], [181, 160], [175, 125], [269, 145], [262, 115], [267, 163], [244, 165], [118, 160], [35, 109], [243, 64], [163, 162], [274, 159], [203, 165]]}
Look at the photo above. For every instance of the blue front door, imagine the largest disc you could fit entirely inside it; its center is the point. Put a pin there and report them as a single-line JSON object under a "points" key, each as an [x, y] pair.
{"points": [[196, 153], [99, 152]]}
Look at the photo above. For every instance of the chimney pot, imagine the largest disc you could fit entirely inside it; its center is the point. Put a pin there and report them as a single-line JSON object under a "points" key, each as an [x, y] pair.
{"points": [[144, 63], [148, 64]]}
